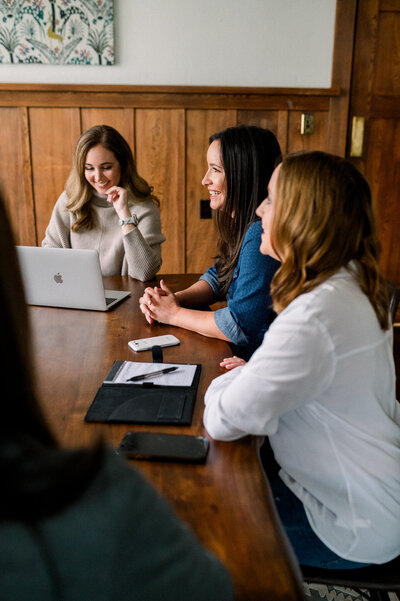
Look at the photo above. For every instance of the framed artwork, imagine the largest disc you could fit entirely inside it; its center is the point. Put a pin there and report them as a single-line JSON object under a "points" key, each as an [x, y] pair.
{"points": [[57, 32]]}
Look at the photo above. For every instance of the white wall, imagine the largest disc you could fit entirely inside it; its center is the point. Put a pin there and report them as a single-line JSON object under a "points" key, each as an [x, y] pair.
{"points": [[272, 43]]}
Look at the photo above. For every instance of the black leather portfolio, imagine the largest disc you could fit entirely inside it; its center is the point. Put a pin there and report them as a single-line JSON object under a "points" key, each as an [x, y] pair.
{"points": [[144, 401]]}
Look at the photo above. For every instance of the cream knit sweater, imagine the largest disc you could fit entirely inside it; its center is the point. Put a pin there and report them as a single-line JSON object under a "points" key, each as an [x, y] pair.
{"points": [[137, 253]]}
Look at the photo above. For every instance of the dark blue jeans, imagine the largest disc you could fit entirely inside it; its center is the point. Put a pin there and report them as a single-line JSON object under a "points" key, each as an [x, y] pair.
{"points": [[308, 548]]}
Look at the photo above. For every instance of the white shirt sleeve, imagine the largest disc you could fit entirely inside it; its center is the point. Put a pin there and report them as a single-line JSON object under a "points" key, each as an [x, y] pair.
{"points": [[294, 364]]}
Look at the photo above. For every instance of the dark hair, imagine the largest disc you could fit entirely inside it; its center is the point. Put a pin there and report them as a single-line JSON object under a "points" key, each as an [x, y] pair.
{"points": [[249, 155], [79, 191], [38, 478], [324, 220]]}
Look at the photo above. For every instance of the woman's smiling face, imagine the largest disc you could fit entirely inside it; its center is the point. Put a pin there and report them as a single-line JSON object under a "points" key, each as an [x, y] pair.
{"points": [[102, 170], [215, 179]]}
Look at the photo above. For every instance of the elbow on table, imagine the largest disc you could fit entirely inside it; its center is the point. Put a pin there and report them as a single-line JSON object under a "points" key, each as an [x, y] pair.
{"points": [[217, 430], [144, 273]]}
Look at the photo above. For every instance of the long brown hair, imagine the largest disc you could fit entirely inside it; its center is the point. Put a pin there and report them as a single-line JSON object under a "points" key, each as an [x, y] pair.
{"points": [[78, 189], [324, 220], [38, 478], [249, 155]]}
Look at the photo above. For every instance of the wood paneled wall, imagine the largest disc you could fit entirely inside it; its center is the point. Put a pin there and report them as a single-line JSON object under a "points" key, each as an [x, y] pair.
{"points": [[168, 130], [375, 95]]}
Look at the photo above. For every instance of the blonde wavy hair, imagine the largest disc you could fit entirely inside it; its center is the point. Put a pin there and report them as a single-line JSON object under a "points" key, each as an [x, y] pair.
{"points": [[78, 189], [324, 220]]}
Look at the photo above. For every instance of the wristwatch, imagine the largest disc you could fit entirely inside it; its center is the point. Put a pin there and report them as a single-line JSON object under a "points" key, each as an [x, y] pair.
{"points": [[133, 219]]}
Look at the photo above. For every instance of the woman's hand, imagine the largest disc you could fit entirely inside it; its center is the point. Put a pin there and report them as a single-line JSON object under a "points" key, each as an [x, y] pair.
{"points": [[159, 304], [118, 197], [232, 362], [145, 300]]}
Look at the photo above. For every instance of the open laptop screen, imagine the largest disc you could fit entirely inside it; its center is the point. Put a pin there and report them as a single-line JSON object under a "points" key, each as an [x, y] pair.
{"points": [[65, 277]]}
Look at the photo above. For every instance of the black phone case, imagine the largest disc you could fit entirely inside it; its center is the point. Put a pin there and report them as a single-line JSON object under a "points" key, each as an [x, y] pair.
{"points": [[167, 447], [143, 403]]}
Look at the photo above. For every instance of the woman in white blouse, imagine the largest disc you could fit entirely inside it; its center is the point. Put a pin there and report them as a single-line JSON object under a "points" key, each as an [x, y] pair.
{"points": [[322, 385]]}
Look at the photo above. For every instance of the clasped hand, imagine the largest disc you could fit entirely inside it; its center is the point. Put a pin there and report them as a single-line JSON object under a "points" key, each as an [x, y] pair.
{"points": [[159, 304]]}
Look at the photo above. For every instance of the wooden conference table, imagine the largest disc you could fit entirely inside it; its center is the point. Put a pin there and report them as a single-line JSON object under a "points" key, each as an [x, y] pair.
{"points": [[226, 501]]}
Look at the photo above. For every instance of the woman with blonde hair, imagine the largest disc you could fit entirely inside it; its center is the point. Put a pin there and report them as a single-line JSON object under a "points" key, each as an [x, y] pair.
{"points": [[321, 386], [80, 523], [108, 207]]}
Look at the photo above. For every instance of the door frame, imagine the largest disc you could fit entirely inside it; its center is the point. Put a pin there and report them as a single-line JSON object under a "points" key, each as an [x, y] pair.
{"points": [[342, 66]]}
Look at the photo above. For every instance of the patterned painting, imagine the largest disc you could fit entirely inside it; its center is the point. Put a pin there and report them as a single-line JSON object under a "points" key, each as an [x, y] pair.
{"points": [[57, 32]]}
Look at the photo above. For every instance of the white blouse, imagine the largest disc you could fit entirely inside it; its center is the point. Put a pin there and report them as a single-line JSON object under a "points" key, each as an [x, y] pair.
{"points": [[322, 387]]}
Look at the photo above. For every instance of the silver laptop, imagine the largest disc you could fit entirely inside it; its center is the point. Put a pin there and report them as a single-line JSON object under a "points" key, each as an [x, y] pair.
{"points": [[65, 277]]}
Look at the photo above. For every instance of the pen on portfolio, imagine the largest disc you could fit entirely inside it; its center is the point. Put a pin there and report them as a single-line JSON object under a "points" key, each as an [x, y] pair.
{"points": [[167, 370]]}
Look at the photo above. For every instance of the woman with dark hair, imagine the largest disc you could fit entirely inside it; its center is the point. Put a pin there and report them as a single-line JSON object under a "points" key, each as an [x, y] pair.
{"points": [[240, 162], [321, 386], [108, 207], [80, 524]]}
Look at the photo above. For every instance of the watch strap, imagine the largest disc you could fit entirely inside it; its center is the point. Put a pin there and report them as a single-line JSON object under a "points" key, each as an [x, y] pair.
{"points": [[132, 219]]}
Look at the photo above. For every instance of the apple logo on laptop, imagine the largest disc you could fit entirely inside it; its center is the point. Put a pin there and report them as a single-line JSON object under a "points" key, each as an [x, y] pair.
{"points": [[58, 278]]}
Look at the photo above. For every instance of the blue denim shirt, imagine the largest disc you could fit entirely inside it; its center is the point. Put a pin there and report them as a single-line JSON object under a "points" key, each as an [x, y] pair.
{"points": [[249, 313]]}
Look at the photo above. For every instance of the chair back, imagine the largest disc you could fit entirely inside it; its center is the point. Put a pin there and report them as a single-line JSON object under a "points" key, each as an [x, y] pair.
{"points": [[384, 577]]}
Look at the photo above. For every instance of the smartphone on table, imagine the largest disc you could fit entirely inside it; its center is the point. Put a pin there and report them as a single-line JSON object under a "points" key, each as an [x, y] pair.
{"points": [[145, 344], [171, 447]]}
